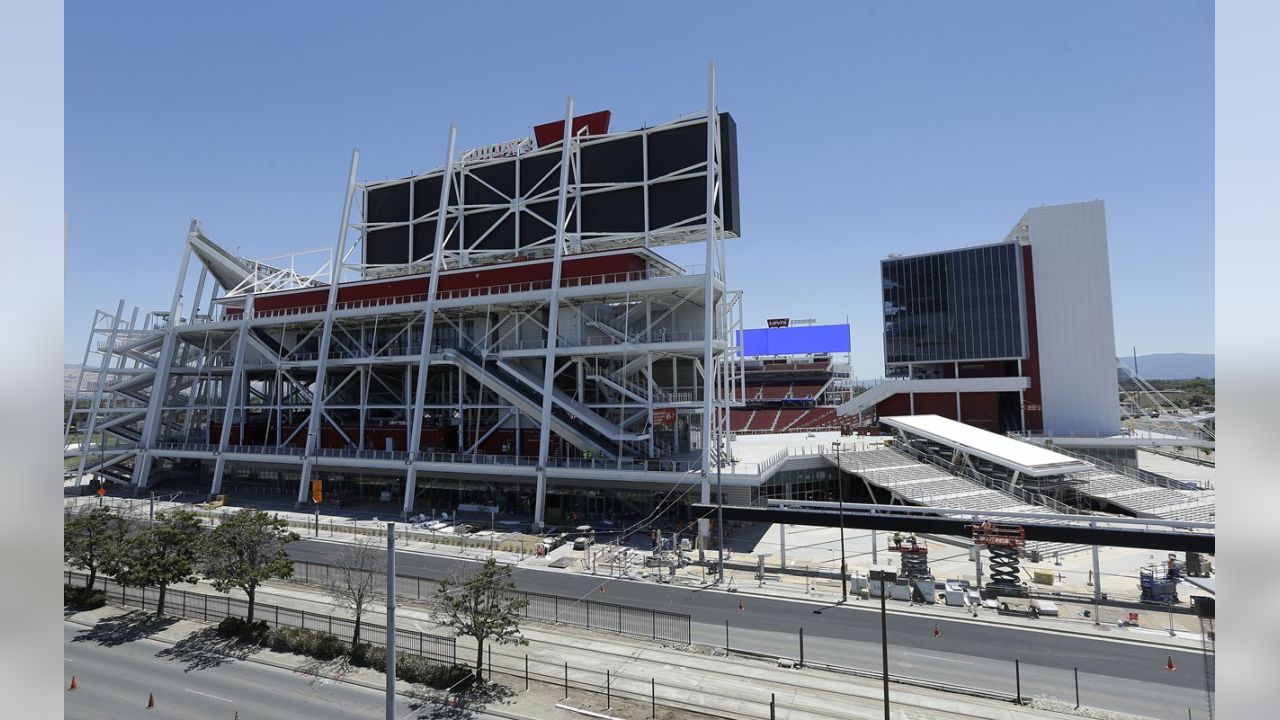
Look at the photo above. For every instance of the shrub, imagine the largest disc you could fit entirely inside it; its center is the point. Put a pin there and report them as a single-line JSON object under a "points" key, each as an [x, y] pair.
{"points": [[82, 598], [320, 645], [457, 677], [417, 669], [373, 657], [293, 640], [253, 633], [327, 647], [414, 669]]}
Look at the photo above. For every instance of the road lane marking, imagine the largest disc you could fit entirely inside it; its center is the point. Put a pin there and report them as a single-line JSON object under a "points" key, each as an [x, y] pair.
{"points": [[215, 697], [935, 657]]}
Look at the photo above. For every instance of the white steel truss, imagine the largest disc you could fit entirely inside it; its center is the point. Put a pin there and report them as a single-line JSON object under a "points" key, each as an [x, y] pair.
{"points": [[414, 385]]}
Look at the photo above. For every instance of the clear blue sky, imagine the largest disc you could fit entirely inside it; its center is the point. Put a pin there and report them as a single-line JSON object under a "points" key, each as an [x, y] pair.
{"points": [[863, 129]]}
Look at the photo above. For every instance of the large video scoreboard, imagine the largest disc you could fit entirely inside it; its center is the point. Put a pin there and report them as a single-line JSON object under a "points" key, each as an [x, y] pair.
{"points": [[624, 187]]}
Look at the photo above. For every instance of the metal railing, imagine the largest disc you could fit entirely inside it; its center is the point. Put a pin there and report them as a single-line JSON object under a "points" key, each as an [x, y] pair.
{"points": [[1136, 474], [590, 614], [632, 464], [212, 608], [1026, 496], [485, 291]]}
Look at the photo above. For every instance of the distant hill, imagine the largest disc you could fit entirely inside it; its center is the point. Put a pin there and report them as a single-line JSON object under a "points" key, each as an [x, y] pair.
{"points": [[1173, 366]]}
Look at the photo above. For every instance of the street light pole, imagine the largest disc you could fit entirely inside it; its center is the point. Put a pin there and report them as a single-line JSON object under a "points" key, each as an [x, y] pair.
{"points": [[885, 578], [844, 567], [391, 621]]}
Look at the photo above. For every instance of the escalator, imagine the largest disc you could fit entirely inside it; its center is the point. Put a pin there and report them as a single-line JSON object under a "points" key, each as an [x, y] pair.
{"points": [[515, 390]]}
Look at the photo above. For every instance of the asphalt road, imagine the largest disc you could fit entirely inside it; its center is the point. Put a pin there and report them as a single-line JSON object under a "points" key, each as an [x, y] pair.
{"points": [[1115, 675], [116, 676]]}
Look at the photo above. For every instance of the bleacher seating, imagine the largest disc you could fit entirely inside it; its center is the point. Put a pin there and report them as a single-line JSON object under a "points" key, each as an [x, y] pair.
{"points": [[763, 421], [1142, 498], [923, 484], [818, 418], [806, 391], [768, 389], [740, 419], [786, 418], [776, 392]]}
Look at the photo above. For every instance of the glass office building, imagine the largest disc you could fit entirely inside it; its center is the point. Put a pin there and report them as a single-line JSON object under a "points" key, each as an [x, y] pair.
{"points": [[954, 306]]}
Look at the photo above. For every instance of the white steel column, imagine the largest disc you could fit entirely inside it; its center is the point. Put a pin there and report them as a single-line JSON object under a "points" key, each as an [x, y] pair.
{"points": [[364, 400], [195, 389], [553, 315], [648, 360], [317, 393], [159, 388], [96, 403], [428, 326], [233, 392], [1022, 403], [708, 302], [88, 346]]}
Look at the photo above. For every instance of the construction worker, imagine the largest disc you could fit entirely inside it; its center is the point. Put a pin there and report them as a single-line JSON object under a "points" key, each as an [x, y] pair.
{"points": [[897, 539], [912, 540]]}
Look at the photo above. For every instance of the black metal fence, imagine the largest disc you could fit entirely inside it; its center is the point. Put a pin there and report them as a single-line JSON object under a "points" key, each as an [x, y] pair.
{"points": [[202, 606], [591, 614]]}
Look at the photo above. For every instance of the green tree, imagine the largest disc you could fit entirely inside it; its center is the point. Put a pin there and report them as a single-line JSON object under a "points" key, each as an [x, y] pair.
{"points": [[246, 550], [160, 554], [89, 538], [482, 606]]}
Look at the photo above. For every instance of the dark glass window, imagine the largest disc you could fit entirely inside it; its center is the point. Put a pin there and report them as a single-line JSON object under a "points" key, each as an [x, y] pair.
{"points": [[958, 305]]}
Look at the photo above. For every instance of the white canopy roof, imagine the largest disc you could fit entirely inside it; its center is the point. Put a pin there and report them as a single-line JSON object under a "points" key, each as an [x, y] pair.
{"points": [[1024, 457]]}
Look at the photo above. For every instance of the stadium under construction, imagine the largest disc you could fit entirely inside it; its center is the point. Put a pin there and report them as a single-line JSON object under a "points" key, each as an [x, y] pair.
{"points": [[505, 331]]}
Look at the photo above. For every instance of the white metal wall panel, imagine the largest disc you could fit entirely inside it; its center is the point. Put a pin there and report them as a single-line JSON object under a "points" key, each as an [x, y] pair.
{"points": [[1079, 388]]}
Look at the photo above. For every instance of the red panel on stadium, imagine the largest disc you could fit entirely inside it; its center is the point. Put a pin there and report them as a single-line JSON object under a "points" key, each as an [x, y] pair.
{"points": [[596, 123]]}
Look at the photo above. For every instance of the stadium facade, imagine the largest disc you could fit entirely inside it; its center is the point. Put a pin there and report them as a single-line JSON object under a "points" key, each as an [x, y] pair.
{"points": [[1015, 336], [501, 322]]}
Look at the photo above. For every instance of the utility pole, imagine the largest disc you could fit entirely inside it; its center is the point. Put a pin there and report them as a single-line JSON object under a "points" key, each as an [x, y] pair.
{"points": [[391, 621]]}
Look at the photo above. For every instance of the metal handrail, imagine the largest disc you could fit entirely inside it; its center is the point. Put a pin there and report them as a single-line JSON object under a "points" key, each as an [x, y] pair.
{"points": [[1028, 497], [1139, 475], [485, 291]]}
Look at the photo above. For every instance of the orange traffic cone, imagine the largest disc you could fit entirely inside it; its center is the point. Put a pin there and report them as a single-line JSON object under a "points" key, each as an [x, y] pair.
{"points": [[74, 685], [936, 631], [1169, 664], [151, 700]]}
